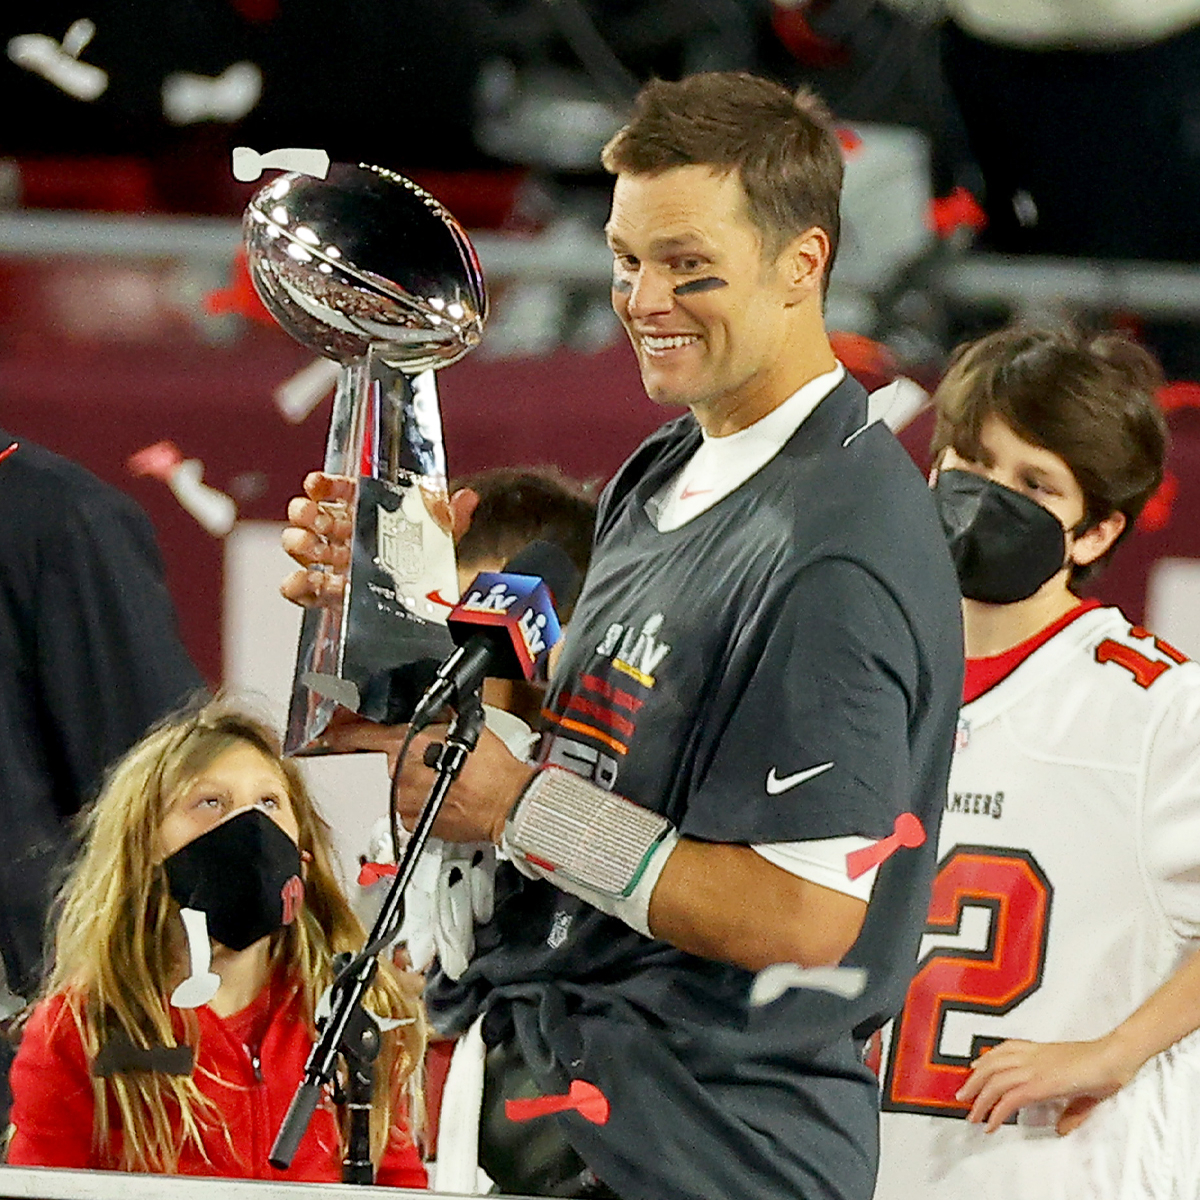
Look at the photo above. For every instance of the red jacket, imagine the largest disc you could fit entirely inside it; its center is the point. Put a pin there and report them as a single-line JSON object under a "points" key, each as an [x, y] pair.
{"points": [[53, 1104]]}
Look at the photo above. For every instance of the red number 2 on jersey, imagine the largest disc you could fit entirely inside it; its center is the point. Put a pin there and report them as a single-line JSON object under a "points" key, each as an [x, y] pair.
{"points": [[921, 1077]]}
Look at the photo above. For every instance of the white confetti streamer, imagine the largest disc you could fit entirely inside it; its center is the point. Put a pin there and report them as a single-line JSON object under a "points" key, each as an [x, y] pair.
{"points": [[248, 164], [59, 64], [771, 982], [188, 99]]}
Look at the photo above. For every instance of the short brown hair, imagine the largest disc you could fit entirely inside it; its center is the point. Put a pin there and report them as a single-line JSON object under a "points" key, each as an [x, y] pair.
{"points": [[519, 505], [1089, 398], [782, 146]]}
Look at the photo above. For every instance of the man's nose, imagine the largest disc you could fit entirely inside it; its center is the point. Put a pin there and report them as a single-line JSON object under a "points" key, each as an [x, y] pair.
{"points": [[651, 295]]}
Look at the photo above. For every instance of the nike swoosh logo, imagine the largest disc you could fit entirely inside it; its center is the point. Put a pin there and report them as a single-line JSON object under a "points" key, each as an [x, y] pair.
{"points": [[775, 784], [436, 597], [689, 492]]}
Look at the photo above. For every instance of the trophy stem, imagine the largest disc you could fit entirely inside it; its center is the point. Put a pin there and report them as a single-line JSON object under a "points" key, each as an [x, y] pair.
{"points": [[387, 631]]}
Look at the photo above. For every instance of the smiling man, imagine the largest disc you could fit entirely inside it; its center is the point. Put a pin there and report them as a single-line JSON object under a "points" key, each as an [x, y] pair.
{"points": [[758, 689]]}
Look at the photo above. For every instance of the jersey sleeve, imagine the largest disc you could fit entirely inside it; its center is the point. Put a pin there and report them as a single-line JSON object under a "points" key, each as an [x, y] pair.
{"points": [[817, 743], [1171, 809], [53, 1102], [110, 661]]}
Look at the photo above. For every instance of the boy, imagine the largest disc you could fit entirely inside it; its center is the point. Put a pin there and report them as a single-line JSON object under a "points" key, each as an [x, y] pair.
{"points": [[1067, 900]]}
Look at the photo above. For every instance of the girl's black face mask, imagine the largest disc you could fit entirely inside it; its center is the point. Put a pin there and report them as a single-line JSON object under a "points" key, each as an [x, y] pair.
{"points": [[243, 874], [1004, 545]]}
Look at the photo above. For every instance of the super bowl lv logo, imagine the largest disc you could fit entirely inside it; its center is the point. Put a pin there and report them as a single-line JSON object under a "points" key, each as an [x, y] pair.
{"points": [[532, 627], [497, 599], [604, 702], [635, 652]]}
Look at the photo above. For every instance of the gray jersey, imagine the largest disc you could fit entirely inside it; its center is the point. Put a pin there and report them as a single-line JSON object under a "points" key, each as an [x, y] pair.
{"points": [[810, 617]]}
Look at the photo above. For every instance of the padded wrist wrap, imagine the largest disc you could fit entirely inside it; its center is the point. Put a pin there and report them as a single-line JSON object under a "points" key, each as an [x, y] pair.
{"points": [[573, 830]]}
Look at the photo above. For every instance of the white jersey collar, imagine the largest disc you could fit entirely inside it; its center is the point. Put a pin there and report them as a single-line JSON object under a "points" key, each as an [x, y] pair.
{"points": [[1043, 662], [722, 464]]}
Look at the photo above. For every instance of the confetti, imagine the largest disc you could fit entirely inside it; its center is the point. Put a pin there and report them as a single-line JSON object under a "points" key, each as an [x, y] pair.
{"points": [[771, 982], [9, 450], [159, 460], [59, 63], [584, 1098], [202, 982], [372, 872], [298, 396], [188, 99], [325, 1007], [1156, 515], [213, 509], [248, 164], [959, 210], [907, 832], [239, 297]]}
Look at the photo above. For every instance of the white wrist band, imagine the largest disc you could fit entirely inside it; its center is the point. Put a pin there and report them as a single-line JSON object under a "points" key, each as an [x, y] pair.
{"points": [[591, 843]]}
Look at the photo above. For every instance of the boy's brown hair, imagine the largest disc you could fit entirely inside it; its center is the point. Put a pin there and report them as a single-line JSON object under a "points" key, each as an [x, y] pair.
{"points": [[782, 146], [1089, 398], [519, 505]]}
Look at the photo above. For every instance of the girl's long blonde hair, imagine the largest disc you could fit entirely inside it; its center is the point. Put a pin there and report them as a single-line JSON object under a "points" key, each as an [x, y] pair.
{"points": [[118, 945]]}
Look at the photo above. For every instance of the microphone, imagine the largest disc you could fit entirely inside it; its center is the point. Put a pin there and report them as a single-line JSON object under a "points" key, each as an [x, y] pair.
{"points": [[503, 626]]}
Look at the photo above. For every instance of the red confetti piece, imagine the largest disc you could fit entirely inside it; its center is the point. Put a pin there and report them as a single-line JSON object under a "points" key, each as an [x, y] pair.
{"points": [[240, 296], [953, 212], [907, 831], [584, 1098], [850, 142], [1156, 515], [1181, 394], [9, 450], [371, 872], [791, 27], [159, 460]]}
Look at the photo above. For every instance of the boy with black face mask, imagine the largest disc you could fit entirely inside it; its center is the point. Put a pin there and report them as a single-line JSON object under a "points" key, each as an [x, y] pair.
{"points": [[1059, 990]]}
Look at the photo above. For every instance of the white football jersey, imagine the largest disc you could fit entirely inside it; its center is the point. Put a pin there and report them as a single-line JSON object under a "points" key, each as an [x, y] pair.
{"points": [[1068, 890]]}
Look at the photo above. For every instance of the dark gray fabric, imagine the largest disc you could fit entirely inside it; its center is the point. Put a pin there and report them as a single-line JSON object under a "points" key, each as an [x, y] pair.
{"points": [[528, 1158], [89, 657], [811, 616]]}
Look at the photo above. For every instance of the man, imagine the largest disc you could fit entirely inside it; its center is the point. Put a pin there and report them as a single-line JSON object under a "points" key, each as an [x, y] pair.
{"points": [[759, 678], [1066, 907], [89, 658]]}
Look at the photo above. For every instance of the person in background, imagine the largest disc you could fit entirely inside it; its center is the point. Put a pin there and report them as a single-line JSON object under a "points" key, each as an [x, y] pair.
{"points": [[1047, 1048], [194, 938], [90, 657], [495, 514]]}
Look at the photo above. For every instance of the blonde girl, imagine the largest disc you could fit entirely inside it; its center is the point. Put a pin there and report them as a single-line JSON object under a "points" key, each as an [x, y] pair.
{"points": [[111, 1073]]}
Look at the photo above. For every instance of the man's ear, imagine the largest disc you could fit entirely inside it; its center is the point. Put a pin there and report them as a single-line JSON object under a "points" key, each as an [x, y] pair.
{"points": [[462, 508], [1097, 541], [804, 261]]}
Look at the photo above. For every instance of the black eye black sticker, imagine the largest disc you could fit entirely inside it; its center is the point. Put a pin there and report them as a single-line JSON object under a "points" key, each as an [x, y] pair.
{"points": [[707, 284], [621, 285]]}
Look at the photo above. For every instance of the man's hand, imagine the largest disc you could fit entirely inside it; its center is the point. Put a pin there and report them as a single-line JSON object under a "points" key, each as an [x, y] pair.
{"points": [[318, 537], [1016, 1073], [478, 804]]}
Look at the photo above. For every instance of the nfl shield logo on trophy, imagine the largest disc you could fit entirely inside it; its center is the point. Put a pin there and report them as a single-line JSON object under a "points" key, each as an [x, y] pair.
{"points": [[398, 545]]}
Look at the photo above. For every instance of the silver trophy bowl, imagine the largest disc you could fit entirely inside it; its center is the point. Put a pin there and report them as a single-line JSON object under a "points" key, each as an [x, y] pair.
{"points": [[368, 269], [365, 258]]}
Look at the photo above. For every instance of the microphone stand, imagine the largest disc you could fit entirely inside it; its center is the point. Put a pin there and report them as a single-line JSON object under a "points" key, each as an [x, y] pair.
{"points": [[349, 1029]]}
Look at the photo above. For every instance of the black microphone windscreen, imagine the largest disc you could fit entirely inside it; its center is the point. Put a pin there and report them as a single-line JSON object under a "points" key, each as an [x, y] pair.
{"points": [[553, 565]]}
